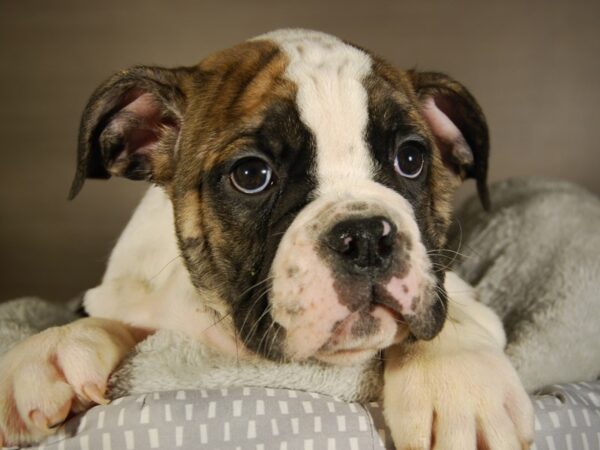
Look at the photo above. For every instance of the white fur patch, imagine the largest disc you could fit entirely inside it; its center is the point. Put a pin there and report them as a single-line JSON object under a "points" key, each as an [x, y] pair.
{"points": [[146, 283], [332, 103], [305, 308]]}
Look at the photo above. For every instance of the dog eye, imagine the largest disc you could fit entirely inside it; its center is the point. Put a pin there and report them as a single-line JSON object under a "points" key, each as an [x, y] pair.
{"points": [[251, 175], [409, 159]]}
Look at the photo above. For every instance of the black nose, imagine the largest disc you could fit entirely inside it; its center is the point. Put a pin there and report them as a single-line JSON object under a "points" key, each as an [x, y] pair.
{"points": [[364, 245]]}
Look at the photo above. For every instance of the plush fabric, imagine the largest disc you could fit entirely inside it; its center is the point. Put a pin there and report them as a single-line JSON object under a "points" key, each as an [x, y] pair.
{"points": [[169, 361], [535, 259], [23, 317]]}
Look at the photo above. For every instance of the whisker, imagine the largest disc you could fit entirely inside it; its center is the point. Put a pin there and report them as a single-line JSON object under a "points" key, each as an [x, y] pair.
{"points": [[256, 300], [444, 252], [271, 325], [165, 266], [256, 285], [250, 308], [440, 266], [280, 357], [257, 321], [460, 239], [452, 254], [216, 322]]}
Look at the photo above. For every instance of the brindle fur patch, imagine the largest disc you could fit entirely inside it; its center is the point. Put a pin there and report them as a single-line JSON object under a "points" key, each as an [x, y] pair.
{"points": [[188, 216], [228, 95], [240, 103]]}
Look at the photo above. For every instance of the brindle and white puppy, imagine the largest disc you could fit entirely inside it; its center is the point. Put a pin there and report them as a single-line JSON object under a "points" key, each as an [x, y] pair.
{"points": [[307, 186]]}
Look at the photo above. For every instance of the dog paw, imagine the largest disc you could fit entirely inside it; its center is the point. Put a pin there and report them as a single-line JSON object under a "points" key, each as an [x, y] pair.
{"points": [[463, 400], [58, 371]]}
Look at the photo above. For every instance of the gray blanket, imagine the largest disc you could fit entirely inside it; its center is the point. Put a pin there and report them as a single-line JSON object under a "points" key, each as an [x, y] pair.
{"points": [[534, 259]]}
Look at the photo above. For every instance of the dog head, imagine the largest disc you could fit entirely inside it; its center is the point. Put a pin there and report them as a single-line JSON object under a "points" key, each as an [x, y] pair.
{"points": [[311, 185]]}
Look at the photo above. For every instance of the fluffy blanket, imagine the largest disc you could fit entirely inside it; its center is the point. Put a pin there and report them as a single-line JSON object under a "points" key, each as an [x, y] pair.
{"points": [[534, 259]]}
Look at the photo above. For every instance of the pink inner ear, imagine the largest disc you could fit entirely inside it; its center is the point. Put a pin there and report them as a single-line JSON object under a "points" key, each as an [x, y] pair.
{"points": [[137, 129], [144, 105], [450, 140], [143, 137]]}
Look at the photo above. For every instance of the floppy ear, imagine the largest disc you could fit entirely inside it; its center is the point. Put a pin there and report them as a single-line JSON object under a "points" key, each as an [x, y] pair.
{"points": [[459, 126], [130, 126]]}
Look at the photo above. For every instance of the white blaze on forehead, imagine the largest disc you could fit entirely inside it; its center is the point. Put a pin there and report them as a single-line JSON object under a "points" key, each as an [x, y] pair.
{"points": [[332, 102]]}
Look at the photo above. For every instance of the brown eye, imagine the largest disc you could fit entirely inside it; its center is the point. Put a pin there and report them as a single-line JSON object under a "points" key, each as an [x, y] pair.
{"points": [[251, 175], [409, 159]]}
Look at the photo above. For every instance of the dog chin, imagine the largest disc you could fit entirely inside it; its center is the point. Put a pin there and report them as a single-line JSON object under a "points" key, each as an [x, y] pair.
{"points": [[360, 354], [344, 349], [346, 357]]}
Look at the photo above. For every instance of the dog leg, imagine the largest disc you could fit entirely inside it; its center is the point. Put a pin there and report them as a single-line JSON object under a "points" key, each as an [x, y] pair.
{"points": [[458, 391], [57, 371]]}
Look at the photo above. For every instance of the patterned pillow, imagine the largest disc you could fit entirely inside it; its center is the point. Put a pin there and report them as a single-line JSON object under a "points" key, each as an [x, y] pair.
{"points": [[567, 417]]}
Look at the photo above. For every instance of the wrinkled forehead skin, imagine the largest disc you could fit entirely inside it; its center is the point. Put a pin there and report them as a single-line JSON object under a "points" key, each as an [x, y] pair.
{"points": [[320, 111]]}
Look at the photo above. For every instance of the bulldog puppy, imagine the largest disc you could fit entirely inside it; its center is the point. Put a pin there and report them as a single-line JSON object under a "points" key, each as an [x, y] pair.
{"points": [[302, 195]]}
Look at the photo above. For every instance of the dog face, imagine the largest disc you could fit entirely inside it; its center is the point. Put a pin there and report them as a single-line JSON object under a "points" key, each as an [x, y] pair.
{"points": [[310, 181]]}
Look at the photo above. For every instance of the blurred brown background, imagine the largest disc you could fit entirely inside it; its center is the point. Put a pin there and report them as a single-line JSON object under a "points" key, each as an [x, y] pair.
{"points": [[534, 67]]}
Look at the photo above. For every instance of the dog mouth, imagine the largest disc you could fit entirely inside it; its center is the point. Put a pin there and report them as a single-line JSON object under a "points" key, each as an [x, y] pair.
{"points": [[362, 334], [356, 318]]}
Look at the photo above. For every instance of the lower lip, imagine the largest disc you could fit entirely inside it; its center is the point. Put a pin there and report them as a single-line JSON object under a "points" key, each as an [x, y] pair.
{"points": [[347, 356], [350, 352], [399, 318]]}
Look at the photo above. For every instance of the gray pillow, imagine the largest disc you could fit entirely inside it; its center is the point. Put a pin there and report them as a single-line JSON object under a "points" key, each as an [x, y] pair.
{"points": [[567, 418]]}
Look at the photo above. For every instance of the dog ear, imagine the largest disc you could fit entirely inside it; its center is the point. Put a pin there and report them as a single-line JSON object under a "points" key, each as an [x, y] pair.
{"points": [[459, 126], [130, 126]]}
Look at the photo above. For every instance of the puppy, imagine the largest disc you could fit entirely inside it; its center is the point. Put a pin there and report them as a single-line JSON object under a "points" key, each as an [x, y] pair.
{"points": [[306, 185]]}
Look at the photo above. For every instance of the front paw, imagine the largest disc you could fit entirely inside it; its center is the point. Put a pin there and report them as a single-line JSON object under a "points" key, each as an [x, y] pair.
{"points": [[462, 400], [57, 371]]}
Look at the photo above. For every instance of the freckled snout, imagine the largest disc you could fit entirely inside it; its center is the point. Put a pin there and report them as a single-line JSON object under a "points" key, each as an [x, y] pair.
{"points": [[363, 245], [351, 276]]}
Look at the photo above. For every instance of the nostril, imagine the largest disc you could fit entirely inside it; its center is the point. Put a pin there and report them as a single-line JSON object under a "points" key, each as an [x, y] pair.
{"points": [[385, 245], [347, 241], [350, 248], [386, 241]]}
